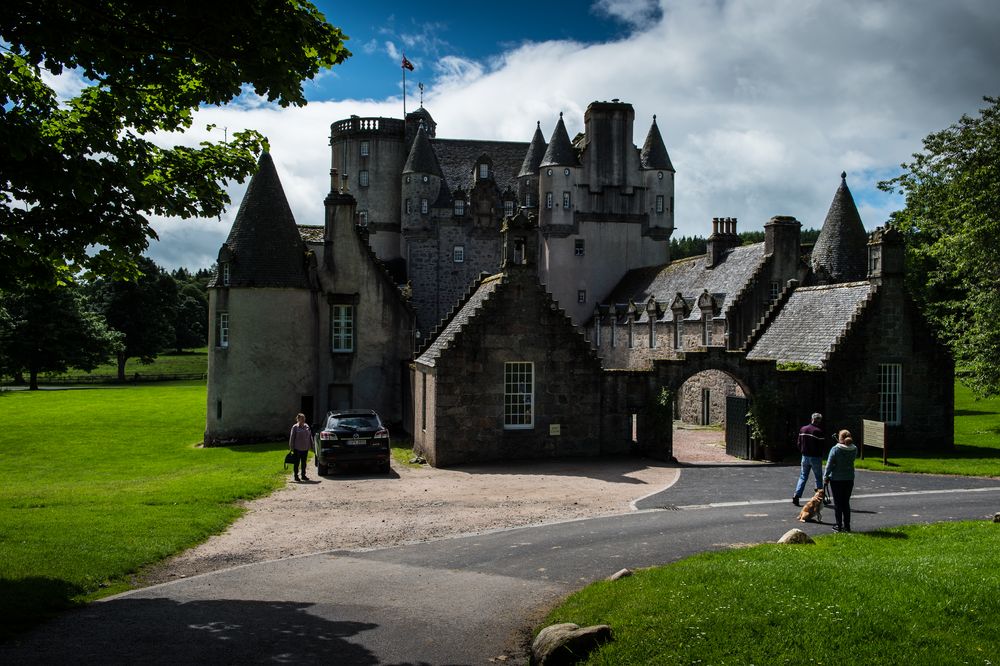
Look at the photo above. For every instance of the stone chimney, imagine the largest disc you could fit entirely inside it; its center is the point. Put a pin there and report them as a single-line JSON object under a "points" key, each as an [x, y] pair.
{"points": [[723, 239]]}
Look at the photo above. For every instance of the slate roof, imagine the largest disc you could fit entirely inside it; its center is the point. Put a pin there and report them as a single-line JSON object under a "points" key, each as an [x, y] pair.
{"points": [[460, 319], [811, 323], [840, 253], [264, 244], [422, 158], [691, 278], [457, 159], [536, 151], [560, 151], [654, 153], [311, 233]]}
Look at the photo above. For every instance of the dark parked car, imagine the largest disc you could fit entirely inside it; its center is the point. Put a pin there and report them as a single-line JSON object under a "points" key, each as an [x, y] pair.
{"points": [[352, 437]]}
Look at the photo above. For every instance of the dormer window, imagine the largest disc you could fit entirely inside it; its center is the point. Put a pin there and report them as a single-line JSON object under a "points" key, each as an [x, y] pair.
{"points": [[226, 273], [508, 208], [459, 207], [484, 170]]}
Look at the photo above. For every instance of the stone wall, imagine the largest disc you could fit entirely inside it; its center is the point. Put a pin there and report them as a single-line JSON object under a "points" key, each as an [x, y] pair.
{"points": [[719, 385]]}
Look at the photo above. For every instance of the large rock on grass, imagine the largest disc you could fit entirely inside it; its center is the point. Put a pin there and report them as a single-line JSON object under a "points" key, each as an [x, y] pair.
{"points": [[566, 644], [795, 535]]}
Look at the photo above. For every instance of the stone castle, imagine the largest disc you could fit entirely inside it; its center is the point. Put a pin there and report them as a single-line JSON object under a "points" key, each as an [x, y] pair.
{"points": [[520, 298]]}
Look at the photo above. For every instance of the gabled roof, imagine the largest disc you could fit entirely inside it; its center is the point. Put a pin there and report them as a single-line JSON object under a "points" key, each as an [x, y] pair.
{"points": [[422, 158], [536, 151], [654, 152], [457, 159], [264, 246], [840, 253], [691, 278], [460, 319], [560, 151], [811, 323]]}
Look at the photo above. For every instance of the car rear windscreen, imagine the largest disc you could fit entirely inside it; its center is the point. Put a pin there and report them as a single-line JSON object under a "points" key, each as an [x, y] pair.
{"points": [[354, 422]]}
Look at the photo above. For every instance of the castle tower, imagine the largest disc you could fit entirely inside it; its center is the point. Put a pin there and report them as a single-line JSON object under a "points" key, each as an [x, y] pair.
{"points": [[527, 177], [658, 178], [265, 272], [598, 216], [422, 178], [840, 252]]}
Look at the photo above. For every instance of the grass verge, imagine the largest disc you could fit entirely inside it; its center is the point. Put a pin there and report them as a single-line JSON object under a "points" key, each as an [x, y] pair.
{"points": [[922, 594], [96, 483], [402, 453]]}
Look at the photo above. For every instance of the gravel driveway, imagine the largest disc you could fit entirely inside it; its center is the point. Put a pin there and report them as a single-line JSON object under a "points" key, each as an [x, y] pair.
{"points": [[363, 512]]}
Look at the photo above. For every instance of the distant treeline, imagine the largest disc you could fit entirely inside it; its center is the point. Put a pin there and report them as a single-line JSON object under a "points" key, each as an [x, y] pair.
{"points": [[692, 246]]}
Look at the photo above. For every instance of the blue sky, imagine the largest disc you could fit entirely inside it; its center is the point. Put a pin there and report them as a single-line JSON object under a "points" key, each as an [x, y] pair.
{"points": [[761, 104]]}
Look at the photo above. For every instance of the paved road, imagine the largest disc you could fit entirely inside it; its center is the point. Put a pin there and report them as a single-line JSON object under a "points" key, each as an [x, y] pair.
{"points": [[462, 600]]}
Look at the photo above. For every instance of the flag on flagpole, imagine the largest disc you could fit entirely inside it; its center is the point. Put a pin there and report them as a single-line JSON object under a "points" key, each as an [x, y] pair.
{"points": [[406, 64]]}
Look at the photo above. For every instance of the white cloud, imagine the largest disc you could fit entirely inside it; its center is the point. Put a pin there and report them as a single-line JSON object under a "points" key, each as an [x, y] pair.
{"points": [[761, 106], [633, 12]]}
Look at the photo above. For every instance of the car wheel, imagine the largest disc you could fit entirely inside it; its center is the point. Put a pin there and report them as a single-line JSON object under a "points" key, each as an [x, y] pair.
{"points": [[321, 469]]}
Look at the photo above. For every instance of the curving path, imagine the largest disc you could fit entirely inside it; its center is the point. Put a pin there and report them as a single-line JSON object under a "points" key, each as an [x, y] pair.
{"points": [[465, 600]]}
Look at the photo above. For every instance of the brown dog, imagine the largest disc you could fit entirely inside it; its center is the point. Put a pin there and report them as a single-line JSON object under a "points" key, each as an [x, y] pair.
{"points": [[813, 510]]}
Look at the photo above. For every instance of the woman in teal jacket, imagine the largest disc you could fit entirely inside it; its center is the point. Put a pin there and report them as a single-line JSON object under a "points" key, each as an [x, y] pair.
{"points": [[840, 475]]}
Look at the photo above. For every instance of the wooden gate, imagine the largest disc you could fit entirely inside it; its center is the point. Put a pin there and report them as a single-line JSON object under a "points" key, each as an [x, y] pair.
{"points": [[737, 433]]}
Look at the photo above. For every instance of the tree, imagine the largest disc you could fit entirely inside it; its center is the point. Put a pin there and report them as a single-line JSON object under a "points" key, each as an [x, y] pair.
{"points": [[51, 330], [78, 179], [142, 310], [951, 222], [190, 317]]}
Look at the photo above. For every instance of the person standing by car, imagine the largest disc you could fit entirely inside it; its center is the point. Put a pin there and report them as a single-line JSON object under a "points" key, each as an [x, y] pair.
{"points": [[299, 443], [840, 474], [811, 447]]}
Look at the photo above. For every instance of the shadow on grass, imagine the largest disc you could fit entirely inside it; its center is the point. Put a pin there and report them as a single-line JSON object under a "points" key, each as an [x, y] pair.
{"points": [[165, 631], [26, 602], [883, 534]]}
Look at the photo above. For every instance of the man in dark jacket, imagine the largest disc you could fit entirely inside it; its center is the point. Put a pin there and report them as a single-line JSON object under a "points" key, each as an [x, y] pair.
{"points": [[811, 446]]}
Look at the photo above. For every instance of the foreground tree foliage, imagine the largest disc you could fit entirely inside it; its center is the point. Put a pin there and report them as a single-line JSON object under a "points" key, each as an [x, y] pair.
{"points": [[51, 330], [78, 179], [952, 224]]}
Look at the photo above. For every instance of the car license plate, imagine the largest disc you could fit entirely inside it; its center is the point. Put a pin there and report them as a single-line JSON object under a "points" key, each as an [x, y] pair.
{"points": [[357, 442]]}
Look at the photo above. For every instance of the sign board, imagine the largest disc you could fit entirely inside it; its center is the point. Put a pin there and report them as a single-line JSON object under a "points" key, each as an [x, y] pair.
{"points": [[555, 429], [874, 436]]}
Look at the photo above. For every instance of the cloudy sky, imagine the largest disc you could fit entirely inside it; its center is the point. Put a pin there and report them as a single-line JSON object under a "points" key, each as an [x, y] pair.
{"points": [[761, 103]]}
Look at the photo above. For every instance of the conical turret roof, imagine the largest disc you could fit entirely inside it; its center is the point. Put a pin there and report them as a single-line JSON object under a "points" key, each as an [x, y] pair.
{"points": [[560, 151], [536, 151], [840, 252], [654, 152], [264, 248], [422, 158]]}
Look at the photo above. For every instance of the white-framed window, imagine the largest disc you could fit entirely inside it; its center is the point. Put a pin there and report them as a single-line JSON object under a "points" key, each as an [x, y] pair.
{"points": [[579, 247], [659, 203], [548, 200], [652, 332], [459, 207], [581, 296], [484, 170], [774, 291], [363, 218], [565, 199], [508, 208], [364, 149], [342, 327], [409, 206], [706, 329], [458, 254], [222, 330], [363, 178], [518, 395], [423, 206], [678, 332], [226, 274], [890, 392]]}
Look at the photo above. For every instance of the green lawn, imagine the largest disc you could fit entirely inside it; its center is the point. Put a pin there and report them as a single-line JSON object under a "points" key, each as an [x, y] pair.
{"points": [[924, 594], [96, 483], [977, 443], [188, 362]]}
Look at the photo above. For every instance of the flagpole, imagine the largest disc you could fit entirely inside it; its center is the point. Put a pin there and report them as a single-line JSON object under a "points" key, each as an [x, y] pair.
{"points": [[404, 87]]}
